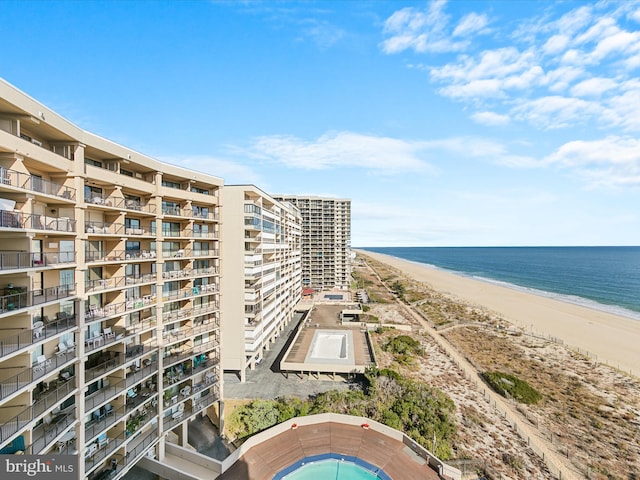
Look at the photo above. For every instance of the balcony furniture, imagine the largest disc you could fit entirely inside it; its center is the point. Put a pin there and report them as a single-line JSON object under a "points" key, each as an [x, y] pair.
{"points": [[71, 346], [41, 364], [131, 393], [66, 376], [103, 442], [98, 415], [179, 412], [97, 337], [179, 253], [185, 391], [37, 329], [108, 409], [209, 378], [92, 448], [62, 349], [108, 334]]}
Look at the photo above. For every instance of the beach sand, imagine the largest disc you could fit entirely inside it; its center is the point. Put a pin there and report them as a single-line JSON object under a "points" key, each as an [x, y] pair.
{"points": [[609, 338]]}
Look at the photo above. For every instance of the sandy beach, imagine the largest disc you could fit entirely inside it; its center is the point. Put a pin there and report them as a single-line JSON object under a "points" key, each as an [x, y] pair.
{"points": [[610, 338]]}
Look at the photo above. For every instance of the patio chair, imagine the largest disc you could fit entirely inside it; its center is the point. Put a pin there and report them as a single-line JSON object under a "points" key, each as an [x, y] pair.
{"points": [[62, 349], [71, 346], [185, 391], [108, 334]]}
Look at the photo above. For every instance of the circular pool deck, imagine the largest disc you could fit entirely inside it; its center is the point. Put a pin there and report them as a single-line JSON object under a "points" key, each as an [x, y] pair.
{"points": [[266, 459]]}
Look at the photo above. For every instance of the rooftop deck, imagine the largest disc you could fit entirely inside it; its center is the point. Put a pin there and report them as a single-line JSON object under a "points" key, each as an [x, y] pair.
{"points": [[266, 459]]}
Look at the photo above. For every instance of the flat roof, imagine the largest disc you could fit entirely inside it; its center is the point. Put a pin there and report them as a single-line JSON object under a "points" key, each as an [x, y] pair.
{"points": [[322, 324]]}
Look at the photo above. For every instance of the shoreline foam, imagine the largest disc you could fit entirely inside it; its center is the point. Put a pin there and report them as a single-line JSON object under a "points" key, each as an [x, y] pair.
{"points": [[609, 337]]}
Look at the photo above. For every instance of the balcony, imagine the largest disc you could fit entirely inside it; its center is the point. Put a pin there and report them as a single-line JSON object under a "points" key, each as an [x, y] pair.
{"points": [[27, 337], [31, 298], [32, 221], [35, 184], [10, 260], [101, 284], [46, 402], [119, 255], [120, 203]]}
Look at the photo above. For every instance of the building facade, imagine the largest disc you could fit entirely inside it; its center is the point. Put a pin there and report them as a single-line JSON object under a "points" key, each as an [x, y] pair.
{"points": [[109, 293], [326, 241], [262, 265]]}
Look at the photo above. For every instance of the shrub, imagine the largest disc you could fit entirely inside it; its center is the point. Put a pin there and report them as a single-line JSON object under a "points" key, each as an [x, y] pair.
{"points": [[511, 386]]}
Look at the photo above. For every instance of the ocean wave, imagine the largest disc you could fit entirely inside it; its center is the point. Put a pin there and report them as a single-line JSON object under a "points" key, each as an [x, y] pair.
{"points": [[573, 299]]}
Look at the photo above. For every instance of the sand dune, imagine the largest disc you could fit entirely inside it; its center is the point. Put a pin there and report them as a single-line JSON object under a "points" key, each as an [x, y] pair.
{"points": [[610, 338]]}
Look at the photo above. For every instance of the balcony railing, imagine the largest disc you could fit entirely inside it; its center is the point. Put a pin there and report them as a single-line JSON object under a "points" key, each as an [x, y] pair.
{"points": [[119, 255], [30, 336], [137, 447], [117, 282], [36, 410], [30, 298], [120, 203], [36, 222], [35, 184], [19, 260]]}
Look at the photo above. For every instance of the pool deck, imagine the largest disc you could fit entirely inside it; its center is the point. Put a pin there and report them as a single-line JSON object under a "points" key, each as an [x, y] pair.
{"points": [[266, 459]]}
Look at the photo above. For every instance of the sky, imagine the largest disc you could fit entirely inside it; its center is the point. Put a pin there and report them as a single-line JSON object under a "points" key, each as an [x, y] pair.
{"points": [[459, 123]]}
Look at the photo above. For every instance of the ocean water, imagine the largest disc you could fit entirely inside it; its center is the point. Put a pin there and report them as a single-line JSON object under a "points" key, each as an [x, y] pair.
{"points": [[606, 278]]}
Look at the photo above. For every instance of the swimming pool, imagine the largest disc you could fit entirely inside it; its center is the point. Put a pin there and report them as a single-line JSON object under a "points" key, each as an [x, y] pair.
{"points": [[331, 466]]}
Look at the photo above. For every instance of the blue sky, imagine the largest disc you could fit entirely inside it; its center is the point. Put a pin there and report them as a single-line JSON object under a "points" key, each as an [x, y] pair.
{"points": [[447, 123]]}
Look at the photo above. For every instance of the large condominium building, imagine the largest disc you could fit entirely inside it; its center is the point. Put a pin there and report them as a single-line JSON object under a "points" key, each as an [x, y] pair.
{"points": [[326, 241], [109, 316], [262, 266]]}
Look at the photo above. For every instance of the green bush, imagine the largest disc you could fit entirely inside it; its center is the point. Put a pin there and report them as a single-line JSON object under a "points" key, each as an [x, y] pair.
{"points": [[417, 409], [403, 345], [511, 386]]}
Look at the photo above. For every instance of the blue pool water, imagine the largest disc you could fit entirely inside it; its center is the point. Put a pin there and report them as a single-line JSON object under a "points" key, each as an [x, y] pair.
{"points": [[331, 466], [331, 469]]}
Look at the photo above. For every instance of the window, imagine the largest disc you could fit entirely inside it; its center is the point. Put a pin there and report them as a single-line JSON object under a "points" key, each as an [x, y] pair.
{"points": [[170, 229], [126, 172], [204, 191], [92, 192], [95, 163], [132, 223], [201, 212], [171, 208], [167, 183]]}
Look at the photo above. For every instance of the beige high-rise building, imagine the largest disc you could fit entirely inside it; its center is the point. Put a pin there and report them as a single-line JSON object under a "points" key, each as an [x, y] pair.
{"points": [[109, 294], [262, 279], [326, 241]]}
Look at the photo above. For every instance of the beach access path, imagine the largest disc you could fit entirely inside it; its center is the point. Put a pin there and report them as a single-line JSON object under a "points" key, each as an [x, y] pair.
{"points": [[608, 338], [535, 440]]}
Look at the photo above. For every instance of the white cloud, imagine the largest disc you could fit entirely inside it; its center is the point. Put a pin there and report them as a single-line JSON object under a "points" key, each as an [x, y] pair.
{"points": [[421, 31], [559, 79], [611, 162], [593, 87], [471, 23], [490, 118], [555, 44], [556, 111], [341, 150], [561, 71]]}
